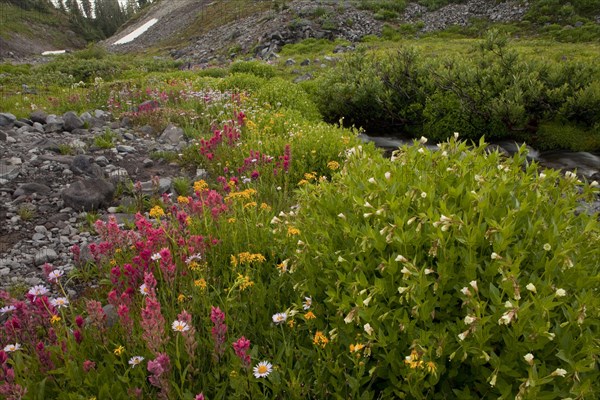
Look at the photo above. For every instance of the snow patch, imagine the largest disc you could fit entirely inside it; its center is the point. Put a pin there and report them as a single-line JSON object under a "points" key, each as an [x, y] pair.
{"points": [[53, 52], [133, 35]]}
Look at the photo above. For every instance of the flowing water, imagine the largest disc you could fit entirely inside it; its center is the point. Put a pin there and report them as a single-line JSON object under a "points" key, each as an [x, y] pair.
{"points": [[586, 164]]}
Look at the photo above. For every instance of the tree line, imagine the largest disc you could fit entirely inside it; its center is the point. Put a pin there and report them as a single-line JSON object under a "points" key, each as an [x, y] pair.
{"points": [[93, 19]]}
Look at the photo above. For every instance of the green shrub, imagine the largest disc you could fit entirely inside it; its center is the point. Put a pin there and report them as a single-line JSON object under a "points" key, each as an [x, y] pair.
{"points": [[557, 135], [279, 93], [256, 68], [242, 81], [452, 272]]}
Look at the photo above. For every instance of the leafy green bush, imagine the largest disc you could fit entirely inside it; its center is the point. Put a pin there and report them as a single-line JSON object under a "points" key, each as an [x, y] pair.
{"points": [[557, 135], [495, 92], [242, 81], [279, 93], [257, 68], [454, 271]]}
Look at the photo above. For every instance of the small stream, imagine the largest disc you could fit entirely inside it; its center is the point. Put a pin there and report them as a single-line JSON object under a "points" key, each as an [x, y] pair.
{"points": [[587, 164]]}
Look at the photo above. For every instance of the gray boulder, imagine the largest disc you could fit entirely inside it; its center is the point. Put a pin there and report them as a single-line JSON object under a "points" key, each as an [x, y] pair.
{"points": [[30, 188], [72, 121], [7, 119], [38, 116], [88, 195], [172, 134]]}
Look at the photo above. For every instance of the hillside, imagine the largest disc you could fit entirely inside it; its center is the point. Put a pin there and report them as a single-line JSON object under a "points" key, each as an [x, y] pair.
{"points": [[200, 30], [25, 33]]}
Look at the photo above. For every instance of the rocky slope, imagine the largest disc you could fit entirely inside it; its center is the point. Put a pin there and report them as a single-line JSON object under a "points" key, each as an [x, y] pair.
{"points": [[24, 34], [264, 33], [44, 194]]}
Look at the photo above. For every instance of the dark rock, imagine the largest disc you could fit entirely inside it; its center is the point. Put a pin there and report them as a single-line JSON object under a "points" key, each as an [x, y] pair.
{"points": [[81, 164], [80, 132], [30, 188], [21, 122], [7, 119], [9, 172], [126, 122], [47, 144], [302, 78], [44, 256], [305, 62], [88, 194], [172, 134], [53, 127], [147, 130], [38, 116], [3, 136]]}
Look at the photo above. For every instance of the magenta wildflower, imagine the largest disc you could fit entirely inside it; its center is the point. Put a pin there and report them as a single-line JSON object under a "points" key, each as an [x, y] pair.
{"points": [[153, 325], [159, 369], [241, 347], [219, 330], [88, 365]]}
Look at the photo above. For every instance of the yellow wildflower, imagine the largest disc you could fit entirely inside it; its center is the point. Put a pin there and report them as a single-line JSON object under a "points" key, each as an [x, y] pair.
{"points": [[291, 323], [251, 204], [119, 350], [320, 339], [283, 266], [157, 212], [231, 220], [431, 367], [113, 262], [188, 220], [181, 298], [200, 186], [54, 319], [193, 265], [355, 348], [265, 206], [244, 194], [117, 250], [333, 165], [183, 200], [247, 258], [302, 182], [291, 231], [309, 315], [250, 124], [200, 283], [310, 176], [244, 282], [413, 360]]}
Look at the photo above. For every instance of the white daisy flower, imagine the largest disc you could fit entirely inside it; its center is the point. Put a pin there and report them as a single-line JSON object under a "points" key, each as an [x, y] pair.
{"points": [[279, 318], [135, 360], [12, 347], [307, 303], [38, 290], [144, 289], [7, 309], [263, 369], [60, 302], [180, 326], [55, 275]]}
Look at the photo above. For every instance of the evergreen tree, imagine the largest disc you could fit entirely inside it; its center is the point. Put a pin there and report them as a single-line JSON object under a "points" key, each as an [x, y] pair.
{"points": [[86, 5]]}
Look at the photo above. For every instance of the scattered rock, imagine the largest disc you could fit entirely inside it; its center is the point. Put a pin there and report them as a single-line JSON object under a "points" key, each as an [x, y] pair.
{"points": [[7, 119], [30, 188], [45, 256], [172, 134], [38, 116], [88, 195]]}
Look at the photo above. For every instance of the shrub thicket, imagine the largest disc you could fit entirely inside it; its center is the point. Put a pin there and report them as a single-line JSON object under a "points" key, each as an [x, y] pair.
{"points": [[495, 93]]}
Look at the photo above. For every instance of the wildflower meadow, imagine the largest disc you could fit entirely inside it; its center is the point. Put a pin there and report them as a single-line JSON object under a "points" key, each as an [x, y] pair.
{"points": [[308, 265]]}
